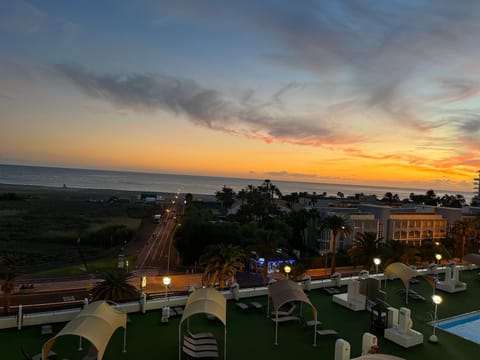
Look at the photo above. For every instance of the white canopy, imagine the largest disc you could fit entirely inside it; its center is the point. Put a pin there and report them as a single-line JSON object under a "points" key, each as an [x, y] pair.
{"points": [[205, 301], [96, 323], [285, 291]]}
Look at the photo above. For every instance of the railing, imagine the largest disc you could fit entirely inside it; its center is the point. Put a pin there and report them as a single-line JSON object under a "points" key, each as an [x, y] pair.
{"points": [[62, 314]]}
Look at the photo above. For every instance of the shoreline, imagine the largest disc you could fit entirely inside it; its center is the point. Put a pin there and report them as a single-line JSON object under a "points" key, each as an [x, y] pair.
{"points": [[32, 189]]}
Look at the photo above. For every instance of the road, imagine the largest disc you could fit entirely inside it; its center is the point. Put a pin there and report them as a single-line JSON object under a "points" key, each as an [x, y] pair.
{"points": [[159, 251]]}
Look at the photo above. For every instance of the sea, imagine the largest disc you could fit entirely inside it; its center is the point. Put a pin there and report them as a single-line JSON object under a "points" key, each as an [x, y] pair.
{"points": [[172, 183]]}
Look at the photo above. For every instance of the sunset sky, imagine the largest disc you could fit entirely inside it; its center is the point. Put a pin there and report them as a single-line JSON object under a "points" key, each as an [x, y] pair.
{"points": [[369, 92]]}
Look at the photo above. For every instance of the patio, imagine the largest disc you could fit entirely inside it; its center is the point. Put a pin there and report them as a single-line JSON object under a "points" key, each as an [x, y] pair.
{"points": [[250, 334]]}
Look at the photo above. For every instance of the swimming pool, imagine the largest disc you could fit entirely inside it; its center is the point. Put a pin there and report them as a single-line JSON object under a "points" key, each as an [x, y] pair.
{"points": [[466, 326]]}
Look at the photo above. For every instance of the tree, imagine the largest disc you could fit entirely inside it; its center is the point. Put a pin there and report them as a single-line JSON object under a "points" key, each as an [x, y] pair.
{"points": [[364, 249], [464, 229], [226, 197], [114, 287], [222, 263], [399, 251], [336, 224], [454, 201]]}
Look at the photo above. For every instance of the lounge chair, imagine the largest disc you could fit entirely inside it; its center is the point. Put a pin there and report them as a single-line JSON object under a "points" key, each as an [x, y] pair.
{"points": [[327, 332], [289, 312], [196, 336], [198, 348], [200, 354], [202, 341], [312, 323], [256, 305], [282, 319], [241, 306], [47, 329]]}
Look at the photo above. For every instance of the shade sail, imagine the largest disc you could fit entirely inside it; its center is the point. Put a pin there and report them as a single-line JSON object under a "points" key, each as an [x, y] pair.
{"points": [[206, 300], [96, 323], [404, 272]]}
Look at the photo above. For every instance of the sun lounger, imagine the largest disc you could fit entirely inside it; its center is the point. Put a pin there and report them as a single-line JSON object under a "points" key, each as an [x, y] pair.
{"points": [[312, 323], [256, 305], [327, 332], [289, 312], [331, 290], [196, 336], [282, 319], [200, 354], [197, 348], [47, 329], [178, 310], [202, 341], [241, 306]]}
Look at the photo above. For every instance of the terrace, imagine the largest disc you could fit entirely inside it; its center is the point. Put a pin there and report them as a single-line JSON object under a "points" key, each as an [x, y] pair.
{"points": [[250, 334]]}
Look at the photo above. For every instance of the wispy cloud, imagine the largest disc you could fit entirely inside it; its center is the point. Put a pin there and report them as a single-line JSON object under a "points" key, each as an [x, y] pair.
{"points": [[20, 16], [205, 107]]}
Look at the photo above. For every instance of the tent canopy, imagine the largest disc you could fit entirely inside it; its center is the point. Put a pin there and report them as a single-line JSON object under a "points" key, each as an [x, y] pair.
{"points": [[206, 300], [285, 291], [404, 272], [96, 323]]}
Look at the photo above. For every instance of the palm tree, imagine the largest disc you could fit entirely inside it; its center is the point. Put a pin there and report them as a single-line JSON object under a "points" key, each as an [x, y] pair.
{"points": [[365, 247], [222, 263], [336, 224], [463, 229], [115, 287], [399, 251]]}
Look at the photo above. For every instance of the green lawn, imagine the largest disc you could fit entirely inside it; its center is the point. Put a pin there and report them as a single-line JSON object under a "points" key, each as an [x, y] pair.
{"points": [[251, 335]]}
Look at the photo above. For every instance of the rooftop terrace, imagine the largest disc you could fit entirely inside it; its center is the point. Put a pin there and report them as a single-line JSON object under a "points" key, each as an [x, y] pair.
{"points": [[250, 334]]}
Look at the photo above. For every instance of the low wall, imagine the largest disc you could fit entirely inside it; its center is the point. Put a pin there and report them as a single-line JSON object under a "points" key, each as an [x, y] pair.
{"points": [[39, 318]]}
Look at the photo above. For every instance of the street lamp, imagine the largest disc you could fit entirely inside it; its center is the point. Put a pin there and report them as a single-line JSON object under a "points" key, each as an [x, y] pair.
{"points": [[166, 281], [437, 299], [377, 262], [438, 257], [287, 270]]}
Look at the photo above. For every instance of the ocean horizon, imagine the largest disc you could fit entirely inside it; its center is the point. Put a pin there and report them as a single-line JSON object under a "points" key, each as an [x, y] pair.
{"points": [[170, 183]]}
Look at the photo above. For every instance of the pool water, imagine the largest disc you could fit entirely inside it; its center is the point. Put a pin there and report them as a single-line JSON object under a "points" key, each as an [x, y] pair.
{"points": [[466, 326]]}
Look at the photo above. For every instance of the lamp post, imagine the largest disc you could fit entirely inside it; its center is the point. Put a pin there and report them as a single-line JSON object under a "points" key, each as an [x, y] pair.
{"points": [[287, 269], [437, 299], [166, 281], [438, 243], [377, 262], [438, 257]]}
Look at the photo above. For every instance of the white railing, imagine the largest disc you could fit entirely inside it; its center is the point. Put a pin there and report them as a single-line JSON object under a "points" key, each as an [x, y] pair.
{"points": [[47, 317]]}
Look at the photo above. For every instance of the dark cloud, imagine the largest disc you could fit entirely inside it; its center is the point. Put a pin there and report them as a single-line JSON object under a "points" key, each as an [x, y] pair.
{"points": [[244, 116], [289, 174]]}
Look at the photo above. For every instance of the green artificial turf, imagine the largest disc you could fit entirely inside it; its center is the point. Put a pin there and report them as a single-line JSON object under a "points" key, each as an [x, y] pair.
{"points": [[250, 335]]}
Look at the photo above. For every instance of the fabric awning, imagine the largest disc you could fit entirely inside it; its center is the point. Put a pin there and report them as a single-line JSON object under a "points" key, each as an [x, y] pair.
{"points": [[404, 272], [96, 323], [285, 291], [206, 300]]}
